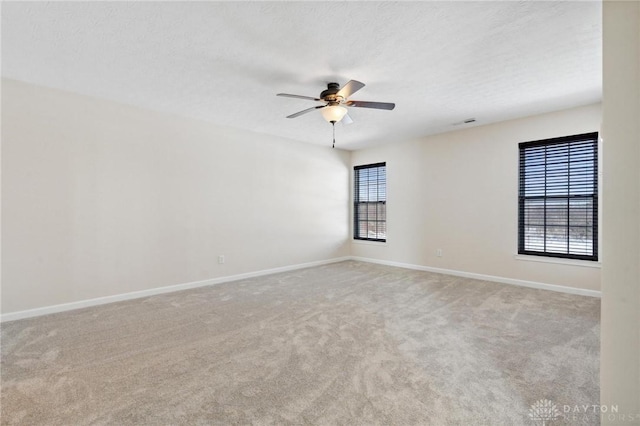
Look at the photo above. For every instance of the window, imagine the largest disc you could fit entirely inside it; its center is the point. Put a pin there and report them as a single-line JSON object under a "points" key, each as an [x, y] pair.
{"points": [[558, 197], [370, 202]]}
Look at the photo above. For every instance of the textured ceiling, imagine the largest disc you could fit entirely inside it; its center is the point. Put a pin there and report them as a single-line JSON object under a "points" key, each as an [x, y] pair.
{"points": [[440, 62]]}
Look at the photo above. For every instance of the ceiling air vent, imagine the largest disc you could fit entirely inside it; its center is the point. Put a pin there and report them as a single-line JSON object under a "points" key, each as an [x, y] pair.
{"points": [[467, 121]]}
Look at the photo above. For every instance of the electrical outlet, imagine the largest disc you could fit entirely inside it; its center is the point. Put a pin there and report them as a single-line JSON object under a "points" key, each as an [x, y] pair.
{"points": [[221, 259], [439, 252]]}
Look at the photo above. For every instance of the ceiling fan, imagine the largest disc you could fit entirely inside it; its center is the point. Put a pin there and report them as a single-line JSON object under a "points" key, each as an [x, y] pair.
{"points": [[336, 99]]}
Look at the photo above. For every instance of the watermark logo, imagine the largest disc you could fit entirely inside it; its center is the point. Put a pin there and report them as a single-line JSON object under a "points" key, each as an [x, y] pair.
{"points": [[543, 411]]}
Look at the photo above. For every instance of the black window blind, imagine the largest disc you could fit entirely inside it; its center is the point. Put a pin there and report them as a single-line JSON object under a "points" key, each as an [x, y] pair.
{"points": [[558, 197], [370, 202]]}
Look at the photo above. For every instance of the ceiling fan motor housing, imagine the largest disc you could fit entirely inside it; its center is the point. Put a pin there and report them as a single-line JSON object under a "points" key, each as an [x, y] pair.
{"points": [[330, 93]]}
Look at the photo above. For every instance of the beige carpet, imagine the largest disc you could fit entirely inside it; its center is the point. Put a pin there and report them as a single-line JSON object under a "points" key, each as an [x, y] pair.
{"points": [[349, 343]]}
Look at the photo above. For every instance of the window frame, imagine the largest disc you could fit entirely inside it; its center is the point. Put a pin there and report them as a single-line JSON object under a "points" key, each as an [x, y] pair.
{"points": [[356, 202], [522, 197]]}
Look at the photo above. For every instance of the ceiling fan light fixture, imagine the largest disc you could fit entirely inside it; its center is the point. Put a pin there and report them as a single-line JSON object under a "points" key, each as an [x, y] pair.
{"points": [[333, 113]]}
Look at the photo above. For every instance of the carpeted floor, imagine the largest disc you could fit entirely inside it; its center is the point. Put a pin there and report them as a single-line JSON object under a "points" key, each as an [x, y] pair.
{"points": [[349, 343]]}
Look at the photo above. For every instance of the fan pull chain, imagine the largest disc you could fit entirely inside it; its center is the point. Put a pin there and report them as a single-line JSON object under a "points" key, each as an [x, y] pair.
{"points": [[333, 123]]}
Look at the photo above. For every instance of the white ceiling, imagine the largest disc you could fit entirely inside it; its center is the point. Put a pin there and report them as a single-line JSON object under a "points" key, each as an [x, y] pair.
{"points": [[440, 62]]}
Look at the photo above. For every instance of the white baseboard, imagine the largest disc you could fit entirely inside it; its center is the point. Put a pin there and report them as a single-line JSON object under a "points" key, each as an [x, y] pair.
{"points": [[503, 280], [12, 316]]}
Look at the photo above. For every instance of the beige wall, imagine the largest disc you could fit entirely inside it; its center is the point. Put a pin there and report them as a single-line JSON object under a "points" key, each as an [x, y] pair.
{"points": [[458, 192], [100, 199], [620, 323]]}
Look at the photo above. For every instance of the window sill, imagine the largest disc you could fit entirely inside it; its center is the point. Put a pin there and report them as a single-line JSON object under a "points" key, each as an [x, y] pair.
{"points": [[371, 243], [572, 262]]}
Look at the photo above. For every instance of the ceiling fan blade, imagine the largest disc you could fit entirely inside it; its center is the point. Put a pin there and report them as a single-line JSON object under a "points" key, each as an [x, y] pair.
{"points": [[347, 119], [298, 96], [376, 105], [304, 111], [350, 88]]}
